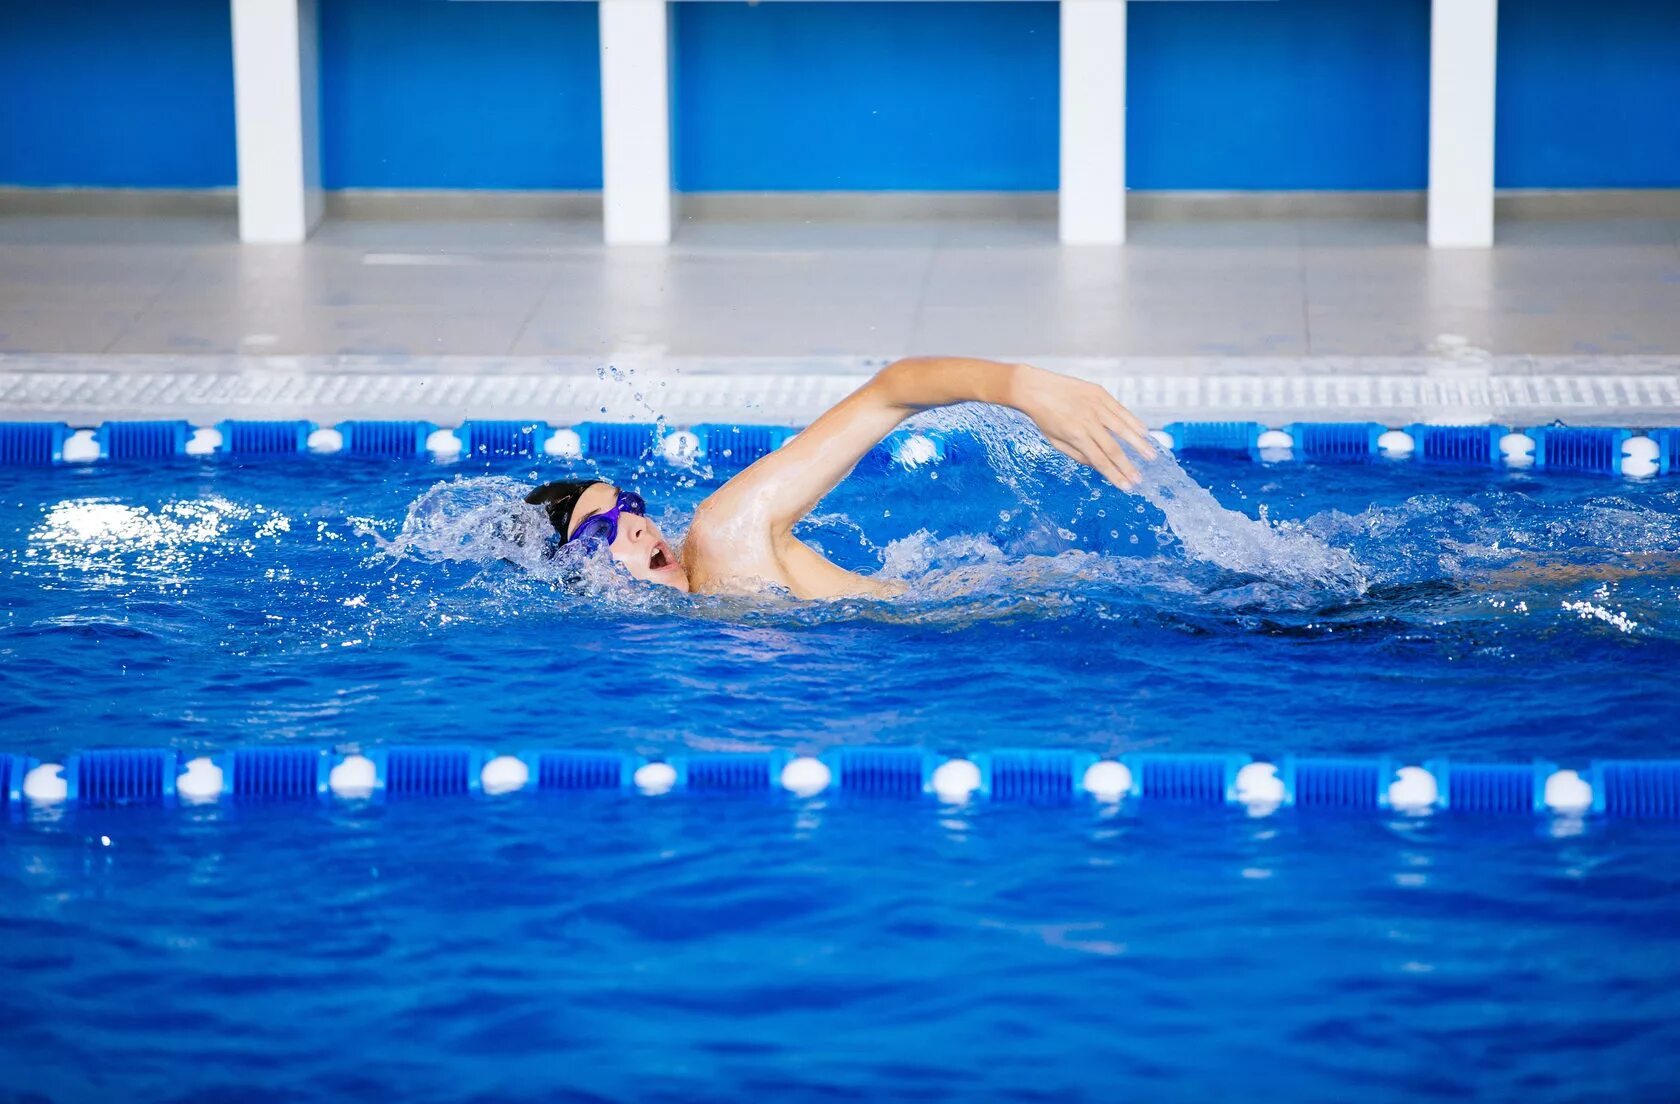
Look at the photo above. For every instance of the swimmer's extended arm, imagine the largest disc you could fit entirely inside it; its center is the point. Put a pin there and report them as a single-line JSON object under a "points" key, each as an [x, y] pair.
{"points": [[1079, 418]]}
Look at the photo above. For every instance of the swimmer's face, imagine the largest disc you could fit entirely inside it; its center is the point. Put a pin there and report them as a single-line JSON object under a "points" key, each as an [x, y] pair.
{"points": [[639, 546]]}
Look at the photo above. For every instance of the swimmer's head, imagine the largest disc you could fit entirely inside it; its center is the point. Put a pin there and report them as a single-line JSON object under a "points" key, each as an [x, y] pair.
{"points": [[590, 509]]}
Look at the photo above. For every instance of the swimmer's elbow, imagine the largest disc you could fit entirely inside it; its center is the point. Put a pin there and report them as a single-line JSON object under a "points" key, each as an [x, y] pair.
{"points": [[920, 382], [905, 384]]}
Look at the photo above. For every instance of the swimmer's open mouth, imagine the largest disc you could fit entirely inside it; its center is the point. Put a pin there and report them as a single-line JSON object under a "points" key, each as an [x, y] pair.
{"points": [[658, 560]]}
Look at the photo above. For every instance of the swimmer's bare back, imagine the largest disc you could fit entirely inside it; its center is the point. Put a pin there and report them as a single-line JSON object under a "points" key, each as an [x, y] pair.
{"points": [[741, 538]]}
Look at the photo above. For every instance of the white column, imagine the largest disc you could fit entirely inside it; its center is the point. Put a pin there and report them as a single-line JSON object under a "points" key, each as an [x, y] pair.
{"points": [[1462, 41], [1093, 187], [635, 121], [275, 92]]}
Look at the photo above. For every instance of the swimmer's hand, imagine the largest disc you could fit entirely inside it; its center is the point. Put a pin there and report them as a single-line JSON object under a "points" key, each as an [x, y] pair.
{"points": [[1082, 420]]}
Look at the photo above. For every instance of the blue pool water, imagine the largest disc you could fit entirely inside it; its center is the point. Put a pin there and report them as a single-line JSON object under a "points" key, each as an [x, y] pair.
{"points": [[716, 948]]}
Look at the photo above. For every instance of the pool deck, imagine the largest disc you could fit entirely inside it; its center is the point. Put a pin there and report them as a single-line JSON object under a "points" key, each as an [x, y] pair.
{"points": [[1577, 319]]}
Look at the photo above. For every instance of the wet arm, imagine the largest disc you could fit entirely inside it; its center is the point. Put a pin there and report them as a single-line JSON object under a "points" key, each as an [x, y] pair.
{"points": [[1078, 418]]}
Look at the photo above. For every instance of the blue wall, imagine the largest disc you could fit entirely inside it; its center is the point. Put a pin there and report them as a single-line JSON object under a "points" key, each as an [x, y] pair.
{"points": [[865, 95], [1589, 94], [1292, 94], [429, 94], [116, 93]]}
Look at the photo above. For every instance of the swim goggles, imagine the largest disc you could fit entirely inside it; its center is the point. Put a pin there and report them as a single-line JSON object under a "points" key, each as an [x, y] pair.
{"points": [[602, 528]]}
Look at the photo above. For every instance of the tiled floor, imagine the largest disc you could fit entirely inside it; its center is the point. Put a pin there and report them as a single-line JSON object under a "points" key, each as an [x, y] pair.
{"points": [[1259, 288]]}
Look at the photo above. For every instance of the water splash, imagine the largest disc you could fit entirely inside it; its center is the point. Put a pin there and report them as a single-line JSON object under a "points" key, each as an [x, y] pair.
{"points": [[1284, 554], [472, 520], [485, 521], [1279, 552]]}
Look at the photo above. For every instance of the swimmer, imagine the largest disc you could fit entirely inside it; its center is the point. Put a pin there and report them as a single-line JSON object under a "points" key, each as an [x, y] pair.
{"points": [[741, 539]]}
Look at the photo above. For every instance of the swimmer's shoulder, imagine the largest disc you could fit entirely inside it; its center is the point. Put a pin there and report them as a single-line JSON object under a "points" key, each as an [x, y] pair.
{"points": [[722, 547], [730, 550]]}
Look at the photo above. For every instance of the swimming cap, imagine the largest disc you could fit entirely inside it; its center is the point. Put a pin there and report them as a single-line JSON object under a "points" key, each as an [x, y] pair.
{"points": [[558, 499]]}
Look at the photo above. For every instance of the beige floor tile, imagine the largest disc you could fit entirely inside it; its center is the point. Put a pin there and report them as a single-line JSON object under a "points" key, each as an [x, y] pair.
{"points": [[97, 276], [1243, 287], [169, 231], [60, 330], [811, 328], [794, 235], [323, 329], [524, 235], [1415, 330], [337, 279], [1214, 234], [1118, 331], [1359, 233], [1594, 233]]}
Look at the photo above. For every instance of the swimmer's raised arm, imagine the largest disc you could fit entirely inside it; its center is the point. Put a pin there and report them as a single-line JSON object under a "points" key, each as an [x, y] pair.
{"points": [[1081, 419]]}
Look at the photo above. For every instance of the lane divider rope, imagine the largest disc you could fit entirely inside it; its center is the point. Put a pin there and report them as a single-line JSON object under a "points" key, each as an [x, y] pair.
{"points": [[165, 777], [1636, 453]]}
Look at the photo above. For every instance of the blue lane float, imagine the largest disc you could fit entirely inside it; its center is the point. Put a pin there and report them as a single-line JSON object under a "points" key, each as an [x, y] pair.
{"points": [[32, 444], [1648, 788], [1667, 442], [1033, 776], [727, 445], [504, 438], [147, 440], [1459, 446], [1492, 787], [618, 440], [882, 771], [390, 440], [162, 777], [1344, 783], [274, 773], [1337, 442], [258, 438], [13, 769], [1216, 440], [449, 771], [1201, 779], [1579, 449], [568, 770], [122, 776]]}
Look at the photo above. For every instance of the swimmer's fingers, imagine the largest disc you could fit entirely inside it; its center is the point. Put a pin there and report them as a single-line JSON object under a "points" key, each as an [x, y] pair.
{"points": [[1141, 443], [1119, 460], [1080, 448], [1104, 454], [1115, 407], [1128, 427]]}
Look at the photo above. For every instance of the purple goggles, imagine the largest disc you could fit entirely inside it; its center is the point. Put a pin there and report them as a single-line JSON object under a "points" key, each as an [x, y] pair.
{"points": [[602, 529]]}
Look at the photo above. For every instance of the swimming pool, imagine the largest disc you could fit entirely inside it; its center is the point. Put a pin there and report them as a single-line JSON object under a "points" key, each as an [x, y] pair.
{"points": [[611, 945]]}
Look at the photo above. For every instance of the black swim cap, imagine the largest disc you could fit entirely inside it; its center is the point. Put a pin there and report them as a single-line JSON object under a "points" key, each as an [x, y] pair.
{"points": [[558, 499]]}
